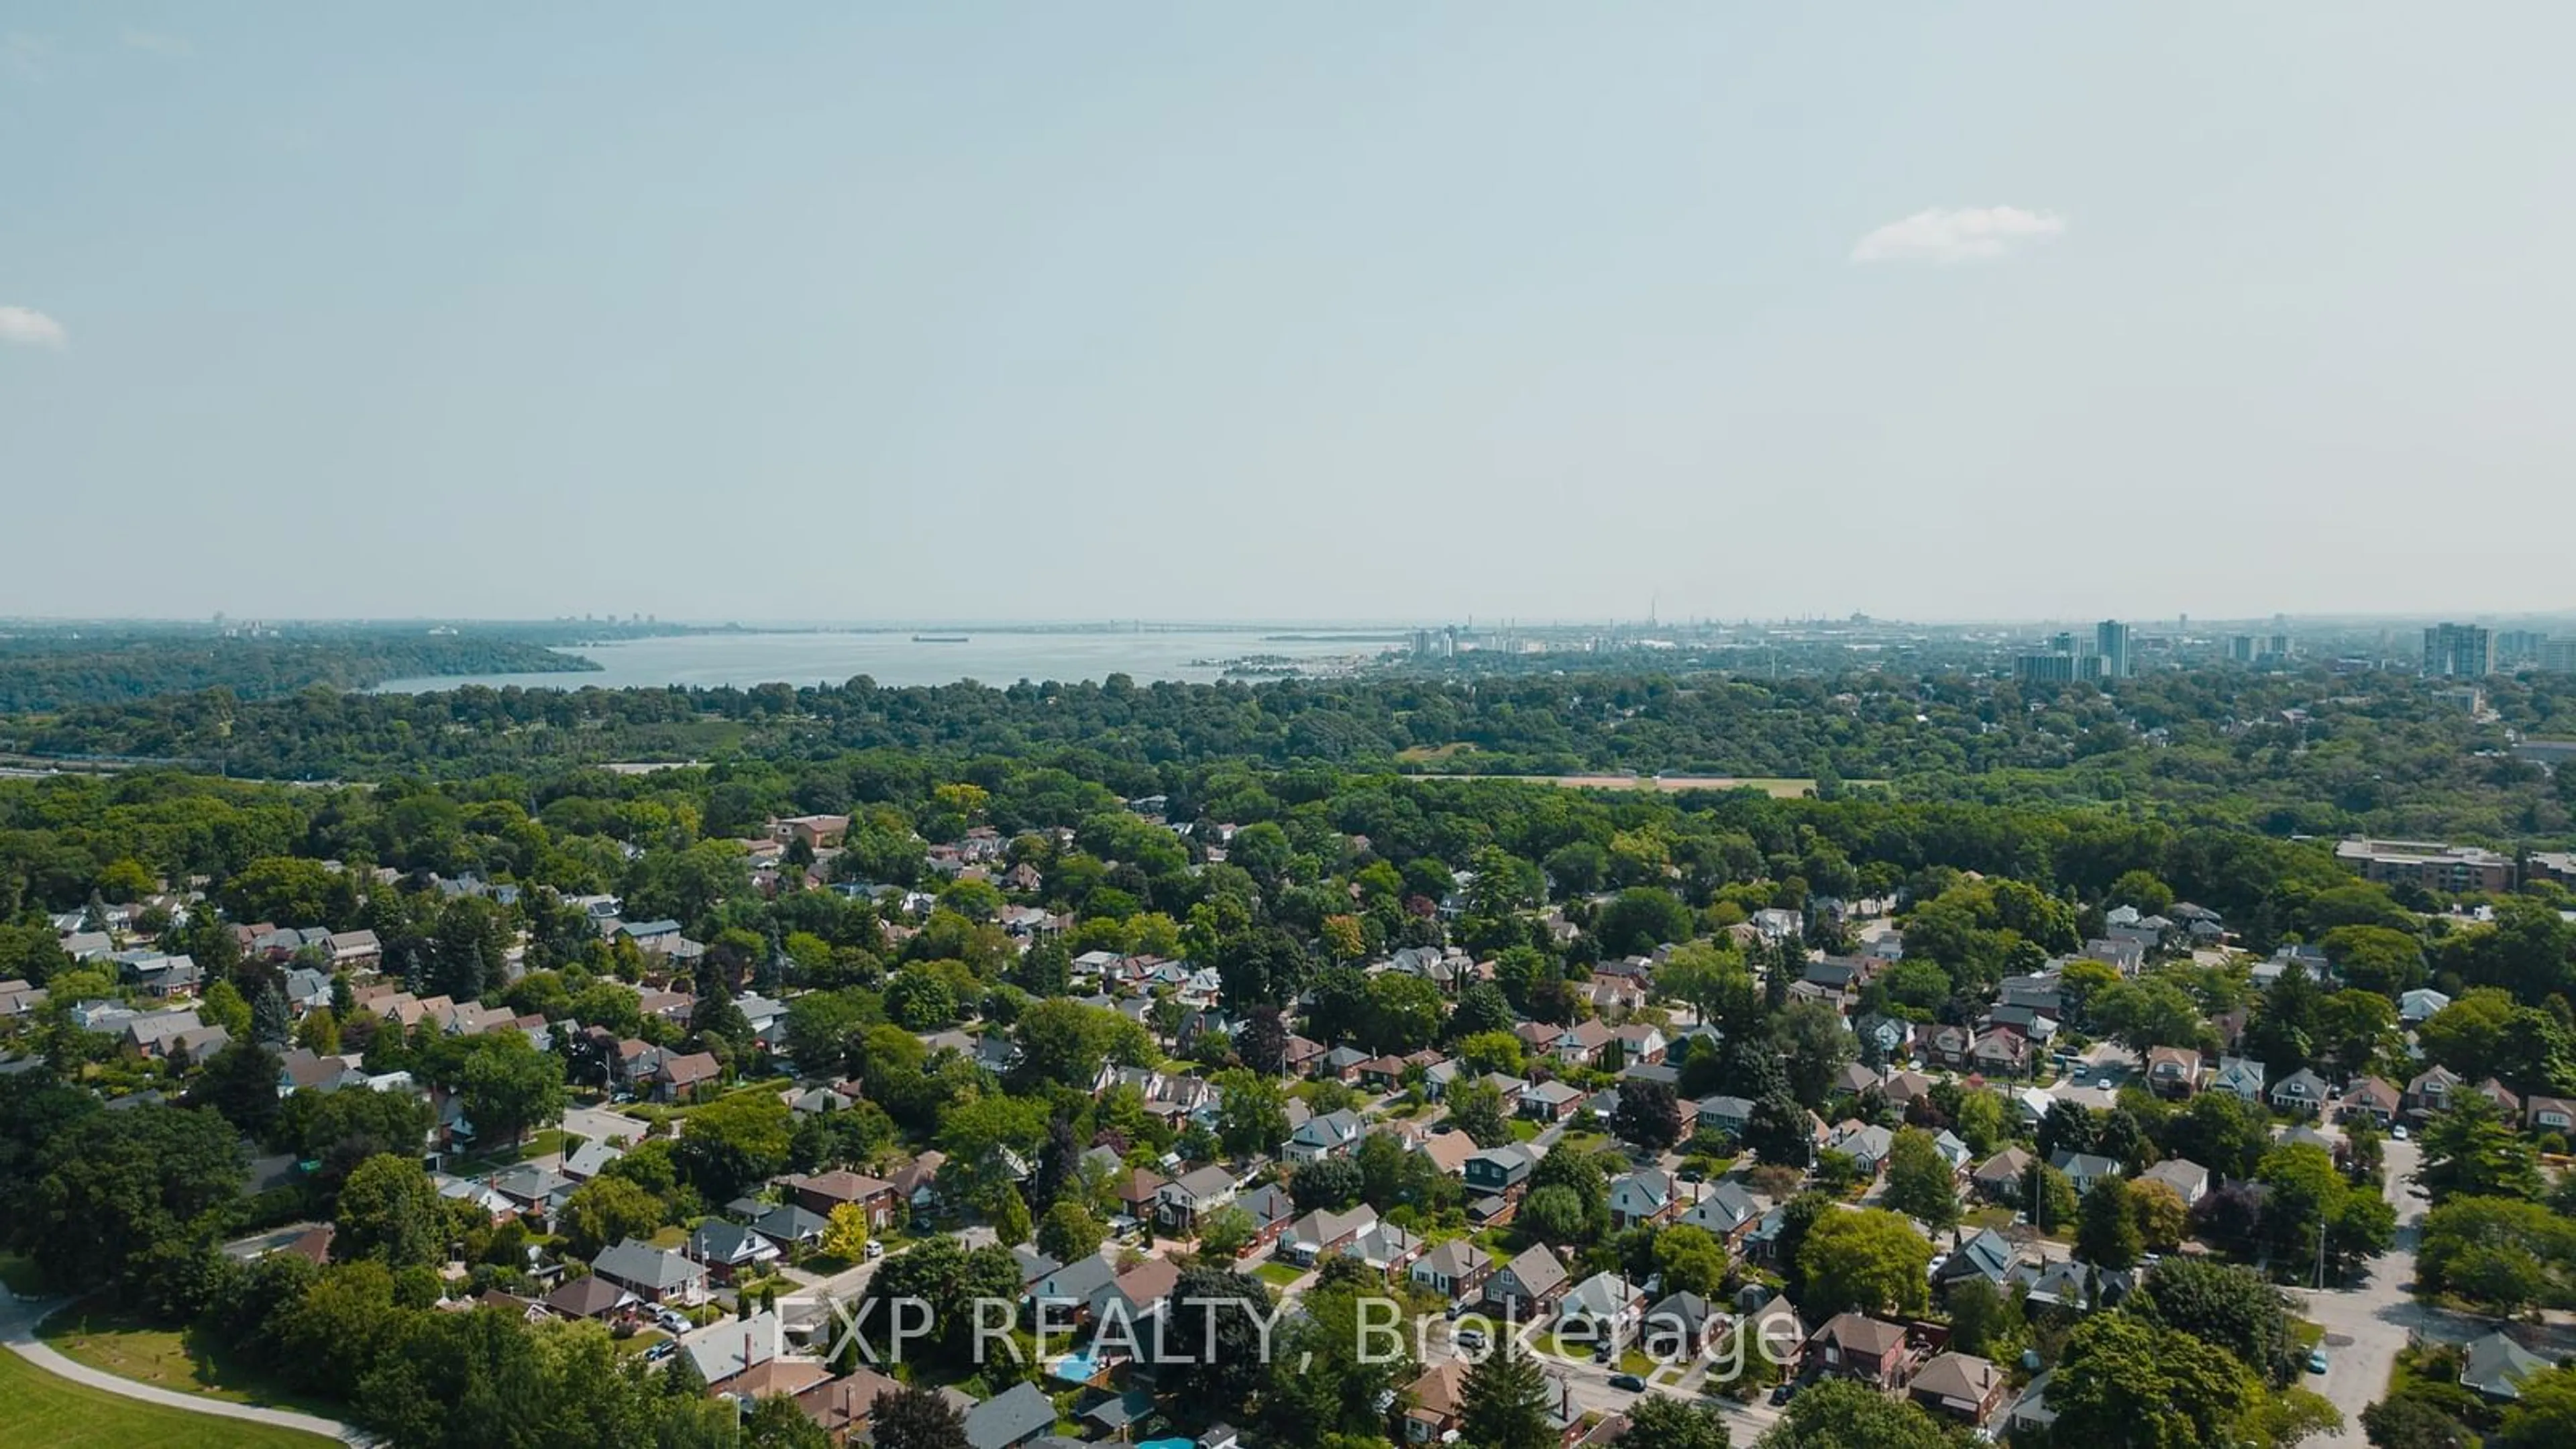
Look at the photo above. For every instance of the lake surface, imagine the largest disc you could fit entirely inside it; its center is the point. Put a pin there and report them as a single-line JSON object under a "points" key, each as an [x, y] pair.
{"points": [[996, 657]]}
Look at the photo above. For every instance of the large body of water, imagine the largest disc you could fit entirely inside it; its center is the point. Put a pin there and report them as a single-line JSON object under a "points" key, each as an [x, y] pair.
{"points": [[996, 658]]}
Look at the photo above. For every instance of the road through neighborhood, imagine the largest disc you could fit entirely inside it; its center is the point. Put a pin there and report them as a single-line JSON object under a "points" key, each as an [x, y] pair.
{"points": [[2367, 1324]]}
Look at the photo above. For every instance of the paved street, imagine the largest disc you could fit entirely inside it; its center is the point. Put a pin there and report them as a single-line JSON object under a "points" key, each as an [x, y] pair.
{"points": [[2366, 1325]]}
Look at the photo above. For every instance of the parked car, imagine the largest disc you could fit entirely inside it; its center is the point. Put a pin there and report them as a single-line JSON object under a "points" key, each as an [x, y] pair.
{"points": [[662, 1350], [1784, 1393], [2398, 1131], [2317, 1360], [1630, 1382], [1470, 1338], [875, 1249]]}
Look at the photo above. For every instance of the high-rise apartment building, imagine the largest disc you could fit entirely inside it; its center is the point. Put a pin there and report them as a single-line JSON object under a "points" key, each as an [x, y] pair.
{"points": [[2458, 651], [2111, 641], [2055, 667]]}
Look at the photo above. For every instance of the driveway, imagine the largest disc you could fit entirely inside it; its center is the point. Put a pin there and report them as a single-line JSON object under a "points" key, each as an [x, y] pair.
{"points": [[18, 1318], [598, 1124]]}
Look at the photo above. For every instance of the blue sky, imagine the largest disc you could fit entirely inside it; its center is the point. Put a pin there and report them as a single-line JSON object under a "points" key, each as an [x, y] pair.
{"points": [[1297, 311]]}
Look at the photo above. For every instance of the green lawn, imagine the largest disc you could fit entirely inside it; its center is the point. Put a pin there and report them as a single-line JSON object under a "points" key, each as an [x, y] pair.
{"points": [[181, 1360], [1523, 1129], [1278, 1275], [1575, 1346], [38, 1408]]}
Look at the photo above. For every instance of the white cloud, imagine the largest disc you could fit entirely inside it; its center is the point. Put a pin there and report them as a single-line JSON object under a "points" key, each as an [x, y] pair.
{"points": [[30, 328], [1958, 234], [159, 42]]}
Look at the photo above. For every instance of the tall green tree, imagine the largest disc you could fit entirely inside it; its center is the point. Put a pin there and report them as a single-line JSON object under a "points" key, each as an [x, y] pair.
{"points": [[509, 1087], [1920, 1183], [1220, 1307], [2122, 1382], [1649, 1116], [2471, 1151], [1325, 1377], [391, 1212], [1252, 1113], [734, 1143], [605, 1211], [1842, 1414], [910, 1417], [1658, 1421], [108, 1189], [1504, 1403], [2106, 1230], [1778, 1131], [240, 1082], [1869, 1260], [2226, 1305], [1476, 1108], [2544, 1417]]}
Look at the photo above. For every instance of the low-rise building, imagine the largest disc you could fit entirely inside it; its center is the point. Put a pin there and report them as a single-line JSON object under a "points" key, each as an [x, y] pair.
{"points": [[1856, 1346], [2302, 1091], [1456, 1270], [1960, 1386], [2188, 1179], [654, 1275], [1644, 1196], [1528, 1287]]}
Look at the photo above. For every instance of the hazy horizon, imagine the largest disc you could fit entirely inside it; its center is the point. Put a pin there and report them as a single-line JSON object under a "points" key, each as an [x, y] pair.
{"points": [[1178, 623], [2015, 313]]}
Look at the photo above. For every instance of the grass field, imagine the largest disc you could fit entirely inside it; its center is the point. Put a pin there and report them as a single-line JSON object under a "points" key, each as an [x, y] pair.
{"points": [[38, 1408], [180, 1360], [1278, 1275]]}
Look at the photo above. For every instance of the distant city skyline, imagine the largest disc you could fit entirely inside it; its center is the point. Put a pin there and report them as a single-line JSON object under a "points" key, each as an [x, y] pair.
{"points": [[940, 313]]}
